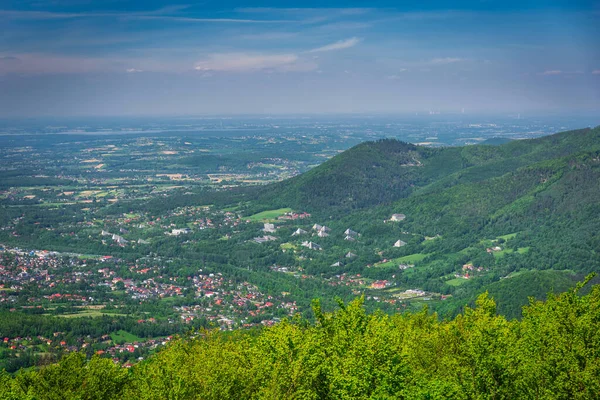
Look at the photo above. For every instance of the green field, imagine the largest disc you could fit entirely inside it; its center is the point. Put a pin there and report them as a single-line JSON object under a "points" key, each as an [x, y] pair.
{"points": [[508, 236], [168, 300], [87, 256], [520, 250], [53, 204], [456, 282], [89, 313], [411, 259], [122, 336], [269, 214]]}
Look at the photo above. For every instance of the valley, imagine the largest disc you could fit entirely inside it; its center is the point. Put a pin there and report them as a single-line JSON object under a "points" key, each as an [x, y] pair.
{"points": [[114, 245]]}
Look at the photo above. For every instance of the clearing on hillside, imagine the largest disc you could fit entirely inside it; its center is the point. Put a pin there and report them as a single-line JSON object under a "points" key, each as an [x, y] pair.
{"points": [[269, 214]]}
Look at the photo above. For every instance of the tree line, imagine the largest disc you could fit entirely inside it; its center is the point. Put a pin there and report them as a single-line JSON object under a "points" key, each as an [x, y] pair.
{"points": [[551, 353]]}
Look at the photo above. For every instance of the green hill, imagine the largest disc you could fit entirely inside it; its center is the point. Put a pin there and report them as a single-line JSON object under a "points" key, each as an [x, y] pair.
{"points": [[546, 191], [375, 173], [368, 174]]}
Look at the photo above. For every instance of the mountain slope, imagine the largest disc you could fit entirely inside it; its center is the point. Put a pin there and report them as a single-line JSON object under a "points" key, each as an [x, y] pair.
{"points": [[375, 173], [538, 200], [368, 174]]}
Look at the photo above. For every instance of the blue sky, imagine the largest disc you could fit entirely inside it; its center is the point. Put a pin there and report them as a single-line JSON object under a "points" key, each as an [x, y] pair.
{"points": [[80, 57]]}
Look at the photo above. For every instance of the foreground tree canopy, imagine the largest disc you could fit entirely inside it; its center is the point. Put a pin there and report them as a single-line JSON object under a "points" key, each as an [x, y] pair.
{"points": [[552, 353]]}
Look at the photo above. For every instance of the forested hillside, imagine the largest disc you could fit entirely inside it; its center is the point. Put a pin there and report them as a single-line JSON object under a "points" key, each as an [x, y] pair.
{"points": [[552, 353], [537, 200], [375, 173]]}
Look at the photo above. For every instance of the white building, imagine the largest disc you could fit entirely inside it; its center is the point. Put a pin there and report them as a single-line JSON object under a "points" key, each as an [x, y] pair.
{"points": [[398, 217], [299, 232], [270, 228]]}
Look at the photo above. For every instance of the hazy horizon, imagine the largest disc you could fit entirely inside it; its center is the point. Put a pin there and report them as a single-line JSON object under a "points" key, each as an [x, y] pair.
{"points": [[154, 58]]}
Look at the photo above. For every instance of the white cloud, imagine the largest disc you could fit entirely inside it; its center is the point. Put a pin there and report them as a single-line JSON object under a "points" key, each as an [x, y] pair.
{"points": [[445, 60], [37, 63], [193, 19], [560, 72], [269, 36], [339, 45], [40, 63], [8, 59], [244, 62], [161, 14], [552, 72], [596, 72], [396, 76], [427, 65]]}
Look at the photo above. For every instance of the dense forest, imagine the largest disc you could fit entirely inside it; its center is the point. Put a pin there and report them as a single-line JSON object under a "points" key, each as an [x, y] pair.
{"points": [[381, 172], [552, 353]]}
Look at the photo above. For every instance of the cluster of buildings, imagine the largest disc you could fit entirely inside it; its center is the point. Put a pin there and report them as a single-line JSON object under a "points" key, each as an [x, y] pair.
{"points": [[294, 216], [467, 271]]}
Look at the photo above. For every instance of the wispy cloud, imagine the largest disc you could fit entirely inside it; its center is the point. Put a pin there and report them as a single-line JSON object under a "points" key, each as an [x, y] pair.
{"points": [[39, 15], [445, 60], [252, 62], [35, 63], [367, 15], [8, 59], [308, 15], [269, 36], [552, 72], [346, 11], [596, 72], [560, 72], [41, 63], [386, 12], [339, 45], [225, 20], [396, 76], [427, 65], [244, 62], [161, 14]]}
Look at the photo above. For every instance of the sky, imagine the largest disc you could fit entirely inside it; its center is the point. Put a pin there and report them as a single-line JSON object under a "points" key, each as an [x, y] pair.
{"points": [[152, 57]]}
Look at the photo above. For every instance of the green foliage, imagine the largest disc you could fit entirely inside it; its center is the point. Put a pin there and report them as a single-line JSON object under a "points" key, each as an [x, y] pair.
{"points": [[72, 378], [269, 214], [122, 336], [552, 353]]}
